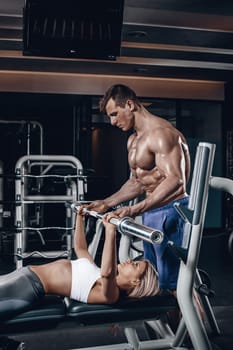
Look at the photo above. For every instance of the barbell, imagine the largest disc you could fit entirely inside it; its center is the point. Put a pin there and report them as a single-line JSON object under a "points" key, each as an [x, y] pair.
{"points": [[126, 225]]}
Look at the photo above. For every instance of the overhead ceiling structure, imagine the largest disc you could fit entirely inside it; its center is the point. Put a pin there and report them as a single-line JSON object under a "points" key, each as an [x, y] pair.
{"points": [[169, 48]]}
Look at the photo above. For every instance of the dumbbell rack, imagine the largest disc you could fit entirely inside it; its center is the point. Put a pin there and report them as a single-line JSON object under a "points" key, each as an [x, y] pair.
{"points": [[43, 165]]}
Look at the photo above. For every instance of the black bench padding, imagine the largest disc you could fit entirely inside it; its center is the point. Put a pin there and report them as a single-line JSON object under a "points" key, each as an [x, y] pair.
{"points": [[49, 312], [124, 310], [53, 309]]}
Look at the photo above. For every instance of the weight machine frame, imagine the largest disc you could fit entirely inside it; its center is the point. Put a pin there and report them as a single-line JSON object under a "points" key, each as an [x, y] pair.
{"points": [[74, 192]]}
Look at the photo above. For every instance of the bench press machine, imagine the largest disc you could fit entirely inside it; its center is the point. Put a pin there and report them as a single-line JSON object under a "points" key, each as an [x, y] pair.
{"points": [[54, 310]]}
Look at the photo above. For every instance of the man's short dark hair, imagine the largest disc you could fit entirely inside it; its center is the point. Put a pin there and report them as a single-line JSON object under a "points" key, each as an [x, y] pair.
{"points": [[120, 94]]}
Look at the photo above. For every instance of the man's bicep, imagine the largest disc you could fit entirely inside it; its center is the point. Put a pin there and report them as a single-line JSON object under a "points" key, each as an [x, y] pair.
{"points": [[169, 160]]}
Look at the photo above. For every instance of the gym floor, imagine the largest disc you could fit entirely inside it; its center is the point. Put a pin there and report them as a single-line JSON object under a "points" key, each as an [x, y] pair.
{"points": [[215, 259]]}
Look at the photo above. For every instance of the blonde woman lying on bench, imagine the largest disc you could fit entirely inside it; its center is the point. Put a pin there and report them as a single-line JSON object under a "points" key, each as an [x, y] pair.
{"points": [[78, 279]]}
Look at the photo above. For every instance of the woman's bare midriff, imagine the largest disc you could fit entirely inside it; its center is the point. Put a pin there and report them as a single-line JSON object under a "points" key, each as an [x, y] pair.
{"points": [[56, 276]]}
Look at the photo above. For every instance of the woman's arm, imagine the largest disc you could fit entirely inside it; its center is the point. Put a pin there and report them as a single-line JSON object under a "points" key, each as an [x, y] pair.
{"points": [[109, 264], [80, 243]]}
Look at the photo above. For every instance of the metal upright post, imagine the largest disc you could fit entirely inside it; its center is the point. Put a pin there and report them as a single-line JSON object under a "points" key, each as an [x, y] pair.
{"points": [[195, 216]]}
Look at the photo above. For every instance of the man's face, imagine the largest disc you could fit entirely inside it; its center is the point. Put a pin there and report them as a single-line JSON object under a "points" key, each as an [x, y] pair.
{"points": [[122, 117]]}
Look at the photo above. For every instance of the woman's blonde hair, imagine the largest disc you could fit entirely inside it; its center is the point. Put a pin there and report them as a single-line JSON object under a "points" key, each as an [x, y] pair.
{"points": [[149, 283]]}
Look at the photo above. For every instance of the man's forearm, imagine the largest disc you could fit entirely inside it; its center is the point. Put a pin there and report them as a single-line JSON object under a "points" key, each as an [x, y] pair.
{"points": [[166, 192], [130, 190]]}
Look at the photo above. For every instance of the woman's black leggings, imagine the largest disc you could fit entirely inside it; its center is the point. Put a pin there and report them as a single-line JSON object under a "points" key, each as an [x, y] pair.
{"points": [[19, 290]]}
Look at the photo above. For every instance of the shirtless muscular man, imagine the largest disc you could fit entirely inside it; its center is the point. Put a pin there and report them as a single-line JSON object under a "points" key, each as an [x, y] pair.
{"points": [[159, 161]]}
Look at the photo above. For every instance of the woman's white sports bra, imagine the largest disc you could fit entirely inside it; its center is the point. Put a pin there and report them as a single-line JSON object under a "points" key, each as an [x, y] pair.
{"points": [[84, 275]]}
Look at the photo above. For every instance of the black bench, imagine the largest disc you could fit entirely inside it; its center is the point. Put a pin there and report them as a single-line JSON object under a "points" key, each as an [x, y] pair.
{"points": [[52, 310]]}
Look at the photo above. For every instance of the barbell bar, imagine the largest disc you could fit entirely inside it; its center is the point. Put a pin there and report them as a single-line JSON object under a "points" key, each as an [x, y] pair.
{"points": [[126, 225]]}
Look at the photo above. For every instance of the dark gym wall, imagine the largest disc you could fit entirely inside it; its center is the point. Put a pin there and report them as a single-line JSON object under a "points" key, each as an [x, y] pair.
{"points": [[228, 140], [109, 156], [53, 112], [67, 129], [228, 111], [202, 122]]}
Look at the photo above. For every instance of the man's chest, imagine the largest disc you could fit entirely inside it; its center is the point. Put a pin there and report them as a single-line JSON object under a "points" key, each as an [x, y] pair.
{"points": [[140, 155]]}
